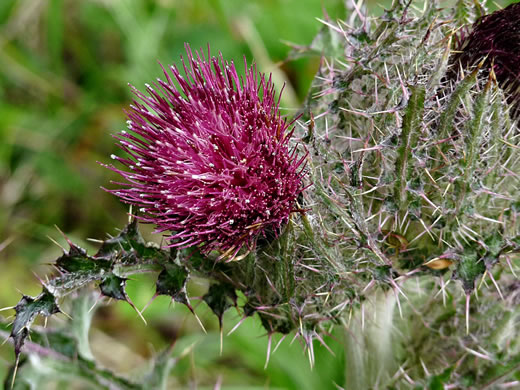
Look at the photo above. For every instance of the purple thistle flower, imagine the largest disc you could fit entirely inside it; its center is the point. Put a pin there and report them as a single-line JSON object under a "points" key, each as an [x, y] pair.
{"points": [[495, 38], [209, 161]]}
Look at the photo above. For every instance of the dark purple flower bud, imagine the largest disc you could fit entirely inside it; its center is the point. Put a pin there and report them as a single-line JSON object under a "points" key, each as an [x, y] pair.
{"points": [[495, 38], [209, 156]]}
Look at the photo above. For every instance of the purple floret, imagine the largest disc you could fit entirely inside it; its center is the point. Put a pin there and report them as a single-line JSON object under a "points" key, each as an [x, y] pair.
{"points": [[209, 160], [495, 40]]}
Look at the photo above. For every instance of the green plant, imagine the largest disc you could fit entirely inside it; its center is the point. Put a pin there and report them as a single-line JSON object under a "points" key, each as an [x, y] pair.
{"points": [[411, 207]]}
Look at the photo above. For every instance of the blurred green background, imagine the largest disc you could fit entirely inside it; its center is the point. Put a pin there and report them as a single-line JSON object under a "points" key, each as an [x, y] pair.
{"points": [[64, 69]]}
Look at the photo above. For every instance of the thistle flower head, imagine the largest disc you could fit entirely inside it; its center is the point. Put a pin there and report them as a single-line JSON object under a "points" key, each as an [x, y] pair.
{"points": [[209, 158], [495, 39]]}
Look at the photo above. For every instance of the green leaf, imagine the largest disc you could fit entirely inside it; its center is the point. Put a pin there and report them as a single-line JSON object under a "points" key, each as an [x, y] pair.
{"points": [[77, 261], [114, 287], [172, 281], [219, 298], [123, 255], [26, 311], [131, 245], [82, 313]]}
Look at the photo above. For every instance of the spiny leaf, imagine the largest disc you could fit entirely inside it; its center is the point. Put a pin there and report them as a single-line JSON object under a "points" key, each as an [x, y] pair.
{"points": [[130, 245], [114, 287], [172, 281], [219, 298], [127, 251], [60, 358], [26, 311], [77, 261]]}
